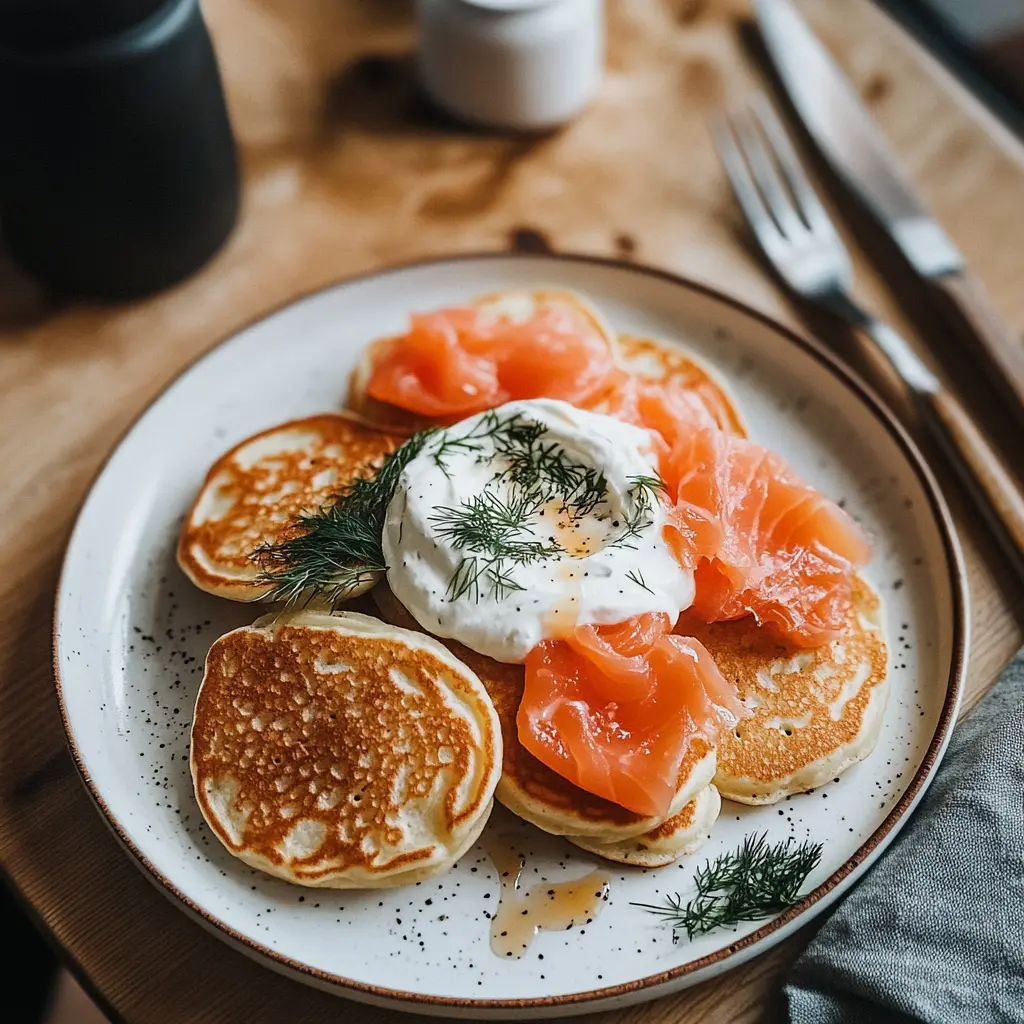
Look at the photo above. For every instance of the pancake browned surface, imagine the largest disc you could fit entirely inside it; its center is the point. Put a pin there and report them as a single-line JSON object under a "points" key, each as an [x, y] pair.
{"points": [[669, 363], [815, 711], [253, 493], [335, 750], [512, 304], [532, 790], [682, 834]]}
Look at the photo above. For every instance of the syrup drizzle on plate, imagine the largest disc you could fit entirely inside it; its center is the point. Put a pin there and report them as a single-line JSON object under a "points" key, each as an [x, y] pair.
{"points": [[547, 906]]}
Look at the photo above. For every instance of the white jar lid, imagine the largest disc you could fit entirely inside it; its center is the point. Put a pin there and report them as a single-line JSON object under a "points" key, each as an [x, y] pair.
{"points": [[515, 64]]}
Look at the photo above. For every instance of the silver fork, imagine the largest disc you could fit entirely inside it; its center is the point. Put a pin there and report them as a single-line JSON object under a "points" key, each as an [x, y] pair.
{"points": [[798, 238]]}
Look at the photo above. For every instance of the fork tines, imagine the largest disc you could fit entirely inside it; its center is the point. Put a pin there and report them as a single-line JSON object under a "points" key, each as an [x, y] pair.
{"points": [[755, 148]]}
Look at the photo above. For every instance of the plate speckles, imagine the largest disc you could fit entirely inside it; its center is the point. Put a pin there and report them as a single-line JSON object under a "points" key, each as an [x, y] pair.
{"points": [[133, 636]]}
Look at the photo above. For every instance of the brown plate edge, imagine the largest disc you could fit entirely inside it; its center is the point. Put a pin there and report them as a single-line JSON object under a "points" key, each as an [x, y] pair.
{"points": [[954, 564]]}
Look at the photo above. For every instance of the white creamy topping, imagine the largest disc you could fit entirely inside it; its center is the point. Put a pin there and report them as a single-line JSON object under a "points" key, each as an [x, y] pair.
{"points": [[518, 524]]}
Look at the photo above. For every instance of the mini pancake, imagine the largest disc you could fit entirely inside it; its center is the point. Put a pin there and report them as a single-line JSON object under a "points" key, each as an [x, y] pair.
{"points": [[667, 362], [253, 493], [816, 711], [514, 305], [340, 752], [678, 836], [528, 787]]}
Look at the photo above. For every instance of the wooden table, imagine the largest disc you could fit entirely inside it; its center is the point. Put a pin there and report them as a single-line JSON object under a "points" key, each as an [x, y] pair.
{"points": [[344, 171]]}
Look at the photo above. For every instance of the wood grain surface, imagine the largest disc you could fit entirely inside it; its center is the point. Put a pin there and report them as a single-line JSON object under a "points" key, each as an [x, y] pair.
{"points": [[998, 499], [346, 170]]}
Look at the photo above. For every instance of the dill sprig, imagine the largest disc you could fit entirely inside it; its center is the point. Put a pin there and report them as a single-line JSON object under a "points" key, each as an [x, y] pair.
{"points": [[486, 519], [486, 427], [637, 577], [652, 484], [492, 530], [546, 471], [643, 491], [337, 548], [497, 534], [755, 881]]}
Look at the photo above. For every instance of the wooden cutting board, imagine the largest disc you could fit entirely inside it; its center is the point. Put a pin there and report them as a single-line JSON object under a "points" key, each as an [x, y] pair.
{"points": [[346, 170]]}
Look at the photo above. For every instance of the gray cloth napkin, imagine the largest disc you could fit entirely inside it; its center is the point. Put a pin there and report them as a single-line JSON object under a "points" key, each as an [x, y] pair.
{"points": [[935, 932]]}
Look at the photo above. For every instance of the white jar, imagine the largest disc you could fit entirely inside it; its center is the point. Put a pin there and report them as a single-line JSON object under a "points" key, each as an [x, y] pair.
{"points": [[526, 65]]}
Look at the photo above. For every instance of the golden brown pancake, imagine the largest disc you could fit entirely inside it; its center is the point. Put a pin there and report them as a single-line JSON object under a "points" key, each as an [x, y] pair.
{"points": [[667, 362], [253, 493], [816, 711], [682, 834], [514, 304], [337, 751], [530, 788]]}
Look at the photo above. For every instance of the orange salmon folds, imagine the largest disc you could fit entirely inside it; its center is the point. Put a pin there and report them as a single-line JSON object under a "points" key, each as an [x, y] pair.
{"points": [[613, 708], [760, 541], [666, 409], [457, 362]]}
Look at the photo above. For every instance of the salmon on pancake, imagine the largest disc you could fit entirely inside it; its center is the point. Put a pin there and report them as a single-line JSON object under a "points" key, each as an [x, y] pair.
{"points": [[537, 793], [461, 360], [656, 376], [815, 711]]}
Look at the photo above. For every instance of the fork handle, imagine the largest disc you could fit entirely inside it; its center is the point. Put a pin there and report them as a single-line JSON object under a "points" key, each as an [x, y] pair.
{"points": [[990, 486]]}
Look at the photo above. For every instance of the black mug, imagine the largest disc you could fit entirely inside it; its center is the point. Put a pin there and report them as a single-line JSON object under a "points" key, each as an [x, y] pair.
{"points": [[118, 173]]}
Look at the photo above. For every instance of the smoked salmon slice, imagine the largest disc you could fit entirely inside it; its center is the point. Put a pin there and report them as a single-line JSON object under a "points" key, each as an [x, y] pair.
{"points": [[456, 362], [665, 408], [613, 708], [760, 541]]}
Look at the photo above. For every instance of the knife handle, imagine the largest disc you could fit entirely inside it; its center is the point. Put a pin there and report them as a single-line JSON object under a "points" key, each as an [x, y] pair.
{"points": [[977, 317], [994, 492]]}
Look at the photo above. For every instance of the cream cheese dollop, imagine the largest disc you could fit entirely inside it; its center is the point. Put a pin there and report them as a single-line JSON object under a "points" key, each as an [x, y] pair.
{"points": [[518, 524]]}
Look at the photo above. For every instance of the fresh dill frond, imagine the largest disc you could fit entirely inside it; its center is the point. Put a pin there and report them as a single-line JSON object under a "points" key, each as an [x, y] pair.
{"points": [[755, 881], [466, 579], [518, 434], [546, 470], [591, 489], [495, 533], [781, 868], [652, 484], [543, 470], [494, 570], [643, 492], [337, 548], [473, 570], [485, 520], [533, 466], [637, 577], [448, 442], [502, 582]]}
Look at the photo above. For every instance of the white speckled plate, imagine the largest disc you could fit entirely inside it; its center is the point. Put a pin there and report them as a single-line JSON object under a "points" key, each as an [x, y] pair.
{"points": [[131, 634]]}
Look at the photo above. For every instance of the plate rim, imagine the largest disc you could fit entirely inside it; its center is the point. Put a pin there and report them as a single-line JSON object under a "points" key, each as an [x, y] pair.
{"points": [[871, 847]]}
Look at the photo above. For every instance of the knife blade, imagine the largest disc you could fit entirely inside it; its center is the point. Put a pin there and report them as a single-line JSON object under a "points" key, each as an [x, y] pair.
{"points": [[857, 151]]}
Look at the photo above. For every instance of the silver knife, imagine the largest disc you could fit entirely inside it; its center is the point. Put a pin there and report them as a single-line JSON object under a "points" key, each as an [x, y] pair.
{"points": [[835, 118]]}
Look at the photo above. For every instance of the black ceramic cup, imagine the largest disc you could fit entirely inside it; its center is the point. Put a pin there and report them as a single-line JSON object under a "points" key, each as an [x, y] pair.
{"points": [[118, 170]]}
